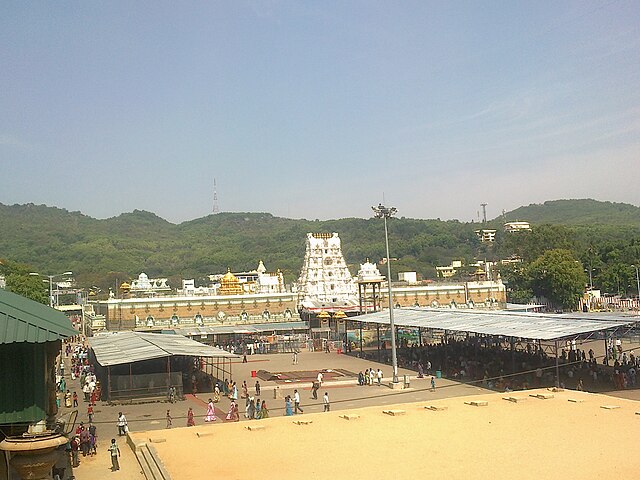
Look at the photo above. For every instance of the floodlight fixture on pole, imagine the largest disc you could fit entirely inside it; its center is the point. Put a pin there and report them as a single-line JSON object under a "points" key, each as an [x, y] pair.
{"points": [[387, 212], [51, 277]]}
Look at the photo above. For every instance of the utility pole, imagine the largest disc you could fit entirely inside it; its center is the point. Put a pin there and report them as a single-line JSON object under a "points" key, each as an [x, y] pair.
{"points": [[216, 208]]}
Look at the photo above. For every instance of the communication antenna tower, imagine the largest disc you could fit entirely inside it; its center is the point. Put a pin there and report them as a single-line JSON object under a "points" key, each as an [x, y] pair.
{"points": [[484, 212], [216, 208]]}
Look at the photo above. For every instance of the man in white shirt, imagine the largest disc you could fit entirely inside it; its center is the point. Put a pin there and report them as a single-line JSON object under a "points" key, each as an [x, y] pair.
{"points": [[320, 376], [296, 402], [325, 401], [379, 374]]}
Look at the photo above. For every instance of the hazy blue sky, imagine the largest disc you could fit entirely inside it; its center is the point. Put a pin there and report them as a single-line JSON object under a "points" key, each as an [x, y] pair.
{"points": [[315, 109]]}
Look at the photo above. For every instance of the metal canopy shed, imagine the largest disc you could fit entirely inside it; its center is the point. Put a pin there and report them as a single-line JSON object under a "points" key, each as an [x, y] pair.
{"points": [[117, 349], [528, 325], [513, 325]]}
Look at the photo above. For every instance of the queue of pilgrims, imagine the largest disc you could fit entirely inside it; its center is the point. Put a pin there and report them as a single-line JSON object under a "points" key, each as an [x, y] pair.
{"points": [[496, 366]]}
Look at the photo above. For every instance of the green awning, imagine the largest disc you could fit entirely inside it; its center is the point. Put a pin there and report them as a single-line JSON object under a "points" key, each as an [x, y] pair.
{"points": [[23, 320]]}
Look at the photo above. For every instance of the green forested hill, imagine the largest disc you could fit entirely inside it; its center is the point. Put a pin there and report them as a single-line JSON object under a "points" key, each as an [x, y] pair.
{"points": [[576, 212], [53, 240]]}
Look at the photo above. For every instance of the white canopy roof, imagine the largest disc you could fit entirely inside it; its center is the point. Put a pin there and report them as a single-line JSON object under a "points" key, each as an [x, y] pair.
{"points": [[117, 348], [533, 326]]}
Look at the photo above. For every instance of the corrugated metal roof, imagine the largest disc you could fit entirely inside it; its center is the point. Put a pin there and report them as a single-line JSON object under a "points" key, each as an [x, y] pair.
{"points": [[533, 326], [118, 348], [242, 328], [23, 320]]}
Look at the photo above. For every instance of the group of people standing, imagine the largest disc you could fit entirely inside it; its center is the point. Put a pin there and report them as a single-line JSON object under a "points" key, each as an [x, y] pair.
{"points": [[370, 377]]}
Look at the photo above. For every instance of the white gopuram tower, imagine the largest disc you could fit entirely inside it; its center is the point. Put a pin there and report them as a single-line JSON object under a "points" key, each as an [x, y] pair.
{"points": [[325, 281]]}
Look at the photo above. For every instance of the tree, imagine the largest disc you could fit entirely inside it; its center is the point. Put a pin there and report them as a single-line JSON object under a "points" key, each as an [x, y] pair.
{"points": [[517, 278], [28, 286], [559, 277]]}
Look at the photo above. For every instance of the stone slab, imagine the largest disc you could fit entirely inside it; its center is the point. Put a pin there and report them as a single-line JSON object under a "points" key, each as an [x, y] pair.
{"points": [[576, 400], [610, 407], [157, 440], [555, 389], [477, 403], [436, 408], [396, 385], [350, 416], [203, 434], [542, 396], [394, 413], [303, 422], [252, 428], [514, 399]]}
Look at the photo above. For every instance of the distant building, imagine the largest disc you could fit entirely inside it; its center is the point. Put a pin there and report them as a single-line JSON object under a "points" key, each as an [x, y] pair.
{"points": [[486, 235], [511, 227], [148, 287], [408, 277], [449, 271]]}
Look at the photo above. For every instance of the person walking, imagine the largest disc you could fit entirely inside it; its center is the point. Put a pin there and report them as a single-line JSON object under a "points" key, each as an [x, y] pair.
{"points": [[115, 453], [122, 424], [169, 419], [296, 402], [257, 388], [190, 420], [211, 415], [433, 384], [325, 401], [314, 390], [379, 375], [288, 410]]}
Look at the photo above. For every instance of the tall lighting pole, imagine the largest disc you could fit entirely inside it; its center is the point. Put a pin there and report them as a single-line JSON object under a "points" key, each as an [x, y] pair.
{"points": [[51, 277], [387, 212], [637, 280]]}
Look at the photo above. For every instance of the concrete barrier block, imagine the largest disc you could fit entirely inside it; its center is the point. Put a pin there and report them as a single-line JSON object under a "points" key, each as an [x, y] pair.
{"points": [[542, 396], [203, 434], [157, 440], [436, 408], [610, 407], [576, 400], [394, 413], [253, 428], [303, 422], [477, 403], [514, 399], [350, 416]]}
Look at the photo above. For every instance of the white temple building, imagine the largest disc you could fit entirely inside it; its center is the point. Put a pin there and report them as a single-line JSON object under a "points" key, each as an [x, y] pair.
{"points": [[145, 286], [325, 282]]}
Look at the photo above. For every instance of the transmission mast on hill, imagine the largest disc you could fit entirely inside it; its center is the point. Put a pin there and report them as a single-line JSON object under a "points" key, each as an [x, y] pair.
{"points": [[484, 212], [216, 208]]}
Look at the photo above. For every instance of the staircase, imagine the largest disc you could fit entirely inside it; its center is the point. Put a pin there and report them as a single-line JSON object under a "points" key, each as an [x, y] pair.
{"points": [[150, 463]]}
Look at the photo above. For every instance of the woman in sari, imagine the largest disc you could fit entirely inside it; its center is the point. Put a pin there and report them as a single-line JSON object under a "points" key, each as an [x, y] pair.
{"points": [[234, 393], [264, 411], [211, 415], [190, 420], [288, 407], [233, 412]]}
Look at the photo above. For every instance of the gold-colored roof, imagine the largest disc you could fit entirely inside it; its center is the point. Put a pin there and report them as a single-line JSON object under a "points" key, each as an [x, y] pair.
{"points": [[229, 277], [125, 286]]}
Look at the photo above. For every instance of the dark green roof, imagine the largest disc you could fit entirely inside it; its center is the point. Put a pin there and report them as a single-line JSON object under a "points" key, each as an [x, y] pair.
{"points": [[23, 320]]}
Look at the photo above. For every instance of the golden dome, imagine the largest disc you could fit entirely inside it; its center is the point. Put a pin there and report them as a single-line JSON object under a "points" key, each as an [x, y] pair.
{"points": [[229, 277], [125, 286]]}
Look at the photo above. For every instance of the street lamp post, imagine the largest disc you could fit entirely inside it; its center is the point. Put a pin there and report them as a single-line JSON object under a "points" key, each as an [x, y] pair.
{"points": [[51, 277], [637, 281], [387, 212]]}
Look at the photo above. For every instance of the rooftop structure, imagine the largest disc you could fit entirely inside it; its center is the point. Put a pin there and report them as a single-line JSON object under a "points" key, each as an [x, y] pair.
{"points": [[145, 286], [486, 235]]}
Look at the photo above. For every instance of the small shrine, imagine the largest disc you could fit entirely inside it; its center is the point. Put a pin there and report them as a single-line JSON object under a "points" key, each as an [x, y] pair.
{"points": [[230, 285]]}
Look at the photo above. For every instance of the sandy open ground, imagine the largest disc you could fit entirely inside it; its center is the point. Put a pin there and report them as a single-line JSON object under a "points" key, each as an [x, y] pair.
{"points": [[533, 438]]}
